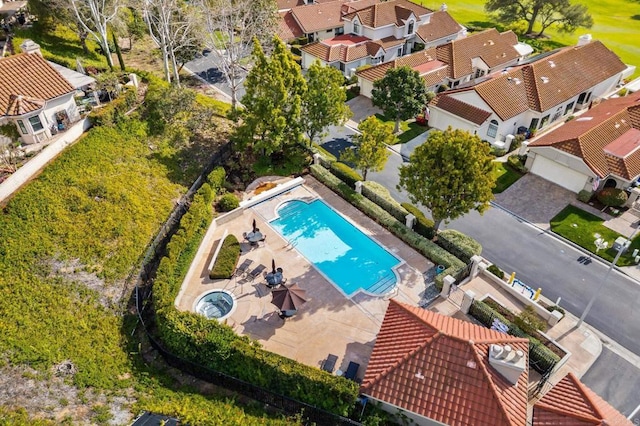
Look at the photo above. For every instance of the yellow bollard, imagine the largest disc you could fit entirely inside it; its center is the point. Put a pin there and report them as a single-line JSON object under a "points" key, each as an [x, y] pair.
{"points": [[538, 291], [512, 277]]}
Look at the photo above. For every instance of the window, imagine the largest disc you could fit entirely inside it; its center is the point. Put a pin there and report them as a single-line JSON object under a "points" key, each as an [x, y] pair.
{"points": [[340, 31], [356, 27], [568, 109], [22, 128], [479, 73], [36, 123], [534, 124], [544, 121], [410, 28], [329, 31], [584, 97], [311, 37], [557, 114], [492, 131], [400, 51]]}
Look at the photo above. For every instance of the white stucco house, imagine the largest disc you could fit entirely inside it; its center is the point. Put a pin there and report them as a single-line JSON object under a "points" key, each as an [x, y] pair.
{"points": [[456, 62], [35, 96], [380, 33], [533, 95], [599, 148]]}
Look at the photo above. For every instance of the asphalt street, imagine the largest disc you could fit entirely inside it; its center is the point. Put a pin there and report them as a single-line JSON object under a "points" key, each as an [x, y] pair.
{"points": [[206, 67]]}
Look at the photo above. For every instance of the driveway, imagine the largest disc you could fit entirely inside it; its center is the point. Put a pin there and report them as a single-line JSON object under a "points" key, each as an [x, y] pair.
{"points": [[535, 199], [362, 108]]}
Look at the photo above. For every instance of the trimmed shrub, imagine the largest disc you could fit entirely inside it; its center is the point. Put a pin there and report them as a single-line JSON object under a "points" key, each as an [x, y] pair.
{"points": [[228, 202], [584, 195], [556, 308], [495, 270], [327, 156], [227, 258], [345, 173], [517, 163], [380, 195], [612, 197], [460, 245], [423, 225]]}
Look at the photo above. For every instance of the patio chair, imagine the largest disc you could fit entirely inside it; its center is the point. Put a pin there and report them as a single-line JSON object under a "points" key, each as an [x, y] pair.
{"points": [[330, 363], [242, 268], [262, 241], [352, 371], [257, 272]]}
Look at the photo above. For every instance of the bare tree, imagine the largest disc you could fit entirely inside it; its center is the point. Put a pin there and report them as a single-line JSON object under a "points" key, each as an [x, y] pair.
{"points": [[173, 27], [94, 16], [231, 27]]}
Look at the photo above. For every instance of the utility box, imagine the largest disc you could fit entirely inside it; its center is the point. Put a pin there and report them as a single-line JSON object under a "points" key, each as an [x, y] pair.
{"points": [[621, 244]]}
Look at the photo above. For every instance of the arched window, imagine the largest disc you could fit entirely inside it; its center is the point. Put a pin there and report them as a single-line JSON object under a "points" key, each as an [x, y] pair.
{"points": [[356, 27], [493, 129]]}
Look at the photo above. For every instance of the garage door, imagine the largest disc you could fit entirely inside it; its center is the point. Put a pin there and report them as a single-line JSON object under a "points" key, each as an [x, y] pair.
{"points": [[558, 174]]}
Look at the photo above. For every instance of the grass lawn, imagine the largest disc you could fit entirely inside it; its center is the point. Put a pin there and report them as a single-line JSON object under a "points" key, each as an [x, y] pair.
{"points": [[505, 176], [580, 227], [408, 129], [615, 24]]}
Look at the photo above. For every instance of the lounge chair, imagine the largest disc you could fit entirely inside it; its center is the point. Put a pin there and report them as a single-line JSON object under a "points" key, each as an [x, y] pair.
{"points": [[352, 371], [330, 363], [257, 272], [242, 268]]}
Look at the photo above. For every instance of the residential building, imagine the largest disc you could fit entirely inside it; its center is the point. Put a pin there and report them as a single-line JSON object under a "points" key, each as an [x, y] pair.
{"points": [[34, 96], [531, 96], [598, 148], [379, 33], [456, 62]]}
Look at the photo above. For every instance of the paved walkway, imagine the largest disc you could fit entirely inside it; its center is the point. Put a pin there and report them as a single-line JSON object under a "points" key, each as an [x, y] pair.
{"points": [[362, 108]]}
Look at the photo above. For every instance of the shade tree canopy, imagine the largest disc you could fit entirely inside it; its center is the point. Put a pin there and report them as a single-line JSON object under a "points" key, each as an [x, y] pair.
{"points": [[369, 151]]}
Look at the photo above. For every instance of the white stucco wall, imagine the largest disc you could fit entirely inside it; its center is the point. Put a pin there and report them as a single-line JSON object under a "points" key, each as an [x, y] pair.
{"points": [[441, 119], [308, 60]]}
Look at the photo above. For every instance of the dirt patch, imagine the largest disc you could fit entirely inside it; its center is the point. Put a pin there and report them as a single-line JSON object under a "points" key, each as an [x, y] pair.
{"points": [[264, 187], [143, 55]]}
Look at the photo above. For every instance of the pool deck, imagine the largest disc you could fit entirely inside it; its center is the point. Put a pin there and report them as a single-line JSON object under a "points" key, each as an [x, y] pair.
{"points": [[329, 322]]}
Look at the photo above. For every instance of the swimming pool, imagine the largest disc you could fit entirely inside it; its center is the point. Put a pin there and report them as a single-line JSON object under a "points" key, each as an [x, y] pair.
{"points": [[343, 253]]}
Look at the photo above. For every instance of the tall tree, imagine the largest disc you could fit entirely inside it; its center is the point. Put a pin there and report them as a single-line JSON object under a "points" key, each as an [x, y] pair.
{"points": [[450, 174], [94, 16], [270, 120], [323, 104], [231, 27], [369, 152], [173, 27], [548, 12], [401, 94]]}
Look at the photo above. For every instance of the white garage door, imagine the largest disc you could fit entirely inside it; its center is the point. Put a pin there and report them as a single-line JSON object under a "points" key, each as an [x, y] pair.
{"points": [[558, 174]]}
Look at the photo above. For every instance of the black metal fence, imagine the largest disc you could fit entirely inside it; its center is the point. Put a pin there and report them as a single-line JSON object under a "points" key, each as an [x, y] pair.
{"points": [[462, 274]]}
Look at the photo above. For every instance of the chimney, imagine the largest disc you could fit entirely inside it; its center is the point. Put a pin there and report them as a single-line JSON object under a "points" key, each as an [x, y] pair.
{"points": [[509, 363], [443, 7], [30, 47], [584, 39]]}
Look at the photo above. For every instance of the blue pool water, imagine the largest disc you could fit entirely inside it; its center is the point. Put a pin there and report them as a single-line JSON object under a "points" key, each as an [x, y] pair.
{"points": [[344, 254]]}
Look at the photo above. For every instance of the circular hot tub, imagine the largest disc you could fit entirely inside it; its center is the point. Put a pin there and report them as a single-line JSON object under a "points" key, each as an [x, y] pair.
{"points": [[216, 304]]}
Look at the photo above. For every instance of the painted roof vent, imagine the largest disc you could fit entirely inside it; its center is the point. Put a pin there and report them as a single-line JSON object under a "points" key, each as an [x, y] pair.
{"points": [[509, 363], [443, 7], [584, 39], [552, 64], [545, 80]]}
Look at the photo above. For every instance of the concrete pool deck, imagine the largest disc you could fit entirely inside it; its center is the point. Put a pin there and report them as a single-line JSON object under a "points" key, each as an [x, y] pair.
{"points": [[329, 322]]}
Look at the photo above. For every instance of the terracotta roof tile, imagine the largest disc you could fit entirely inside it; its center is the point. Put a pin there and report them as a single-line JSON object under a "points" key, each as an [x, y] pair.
{"points": [[30, 80], [387, 13], [414, 60], [344, 48], [440, 25], [571, 403], [549, 81], [288, 4], [288, 27], [492, 47], [318, 17], [590, 137], [461, 109], [438, 367]]}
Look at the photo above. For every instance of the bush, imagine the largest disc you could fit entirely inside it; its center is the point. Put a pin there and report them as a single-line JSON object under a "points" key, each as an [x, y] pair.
{"points": [[498, 152], [380, 195], [227, 258], [114, 112], [517, 162], [556, 308], [326, 155], [228, 202], [495, 270], [528, 321], [612, 197], [345, 173], [460, 245], [585, 195], [423, 225]]}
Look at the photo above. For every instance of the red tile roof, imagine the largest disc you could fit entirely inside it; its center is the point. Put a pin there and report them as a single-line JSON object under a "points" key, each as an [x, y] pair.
{"points": [[288, 4], [387, 13], [318, 17], [288, 27], [414, 60], [440, 25], [593, 135], [572, 403], [492, 47], [27, 80], [461, 109], [438, 367], [342, 52]]}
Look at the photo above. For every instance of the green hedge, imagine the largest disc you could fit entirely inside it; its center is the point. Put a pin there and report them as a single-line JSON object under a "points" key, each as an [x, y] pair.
{"points": [[345, 173], [217, 346], [540, 357], [495, 270], [380, 195], [227, 258], [460, 245], [427, 248], [423, 225], [228, 202], [114, 112]]}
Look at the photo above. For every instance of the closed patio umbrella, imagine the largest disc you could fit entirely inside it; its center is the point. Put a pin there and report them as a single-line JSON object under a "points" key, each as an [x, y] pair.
{"points": [[273, 266], [254, 226], [288, 298]]}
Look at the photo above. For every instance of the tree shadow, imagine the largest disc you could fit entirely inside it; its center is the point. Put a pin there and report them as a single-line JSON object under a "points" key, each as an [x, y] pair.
{"points": [[636, 17]]}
